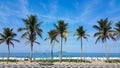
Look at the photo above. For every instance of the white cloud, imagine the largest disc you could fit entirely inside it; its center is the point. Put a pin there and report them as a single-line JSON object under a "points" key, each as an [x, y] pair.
{"points": [[23, 8], [12, 12]]}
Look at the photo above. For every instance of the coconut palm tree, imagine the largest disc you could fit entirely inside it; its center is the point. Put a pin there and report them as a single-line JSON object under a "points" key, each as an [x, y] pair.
{"points": [[117, 30], [81, 34], [53, 39], [61, 28], [32, 30], [104, 33], [8, 36]]}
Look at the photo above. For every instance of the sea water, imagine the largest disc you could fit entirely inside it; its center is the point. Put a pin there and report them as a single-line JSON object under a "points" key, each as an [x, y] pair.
{"points": [[45, 55]]}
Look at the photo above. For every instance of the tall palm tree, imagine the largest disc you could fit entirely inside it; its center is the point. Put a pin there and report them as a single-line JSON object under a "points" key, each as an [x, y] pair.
{"points": [[32, 30], [53, 39], [61, 28], [117, 30], [8, 36], [104, 32], [81, 33]]}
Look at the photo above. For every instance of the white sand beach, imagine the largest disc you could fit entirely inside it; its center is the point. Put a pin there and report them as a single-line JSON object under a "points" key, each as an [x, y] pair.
{"points": [[28, 64], [95, 63]]}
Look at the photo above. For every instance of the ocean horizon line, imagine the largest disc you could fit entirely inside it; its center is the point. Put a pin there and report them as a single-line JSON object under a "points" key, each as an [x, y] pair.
{"points": [[36, 55]]}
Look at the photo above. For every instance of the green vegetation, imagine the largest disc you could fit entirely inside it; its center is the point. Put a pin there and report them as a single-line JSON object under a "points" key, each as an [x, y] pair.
{"points": [[9, 60], [113, 61], [64, 60]]}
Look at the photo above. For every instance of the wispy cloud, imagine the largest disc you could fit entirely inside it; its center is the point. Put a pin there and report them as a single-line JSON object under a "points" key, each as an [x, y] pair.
{"points": [[12, 12], [24, 7]]}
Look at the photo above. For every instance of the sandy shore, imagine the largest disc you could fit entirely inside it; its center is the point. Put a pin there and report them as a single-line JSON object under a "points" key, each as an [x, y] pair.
{"points": [[28, 64]]}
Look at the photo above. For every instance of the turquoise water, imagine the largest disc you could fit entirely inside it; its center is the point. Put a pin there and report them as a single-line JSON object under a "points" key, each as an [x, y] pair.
{"points": [[39, 55]]}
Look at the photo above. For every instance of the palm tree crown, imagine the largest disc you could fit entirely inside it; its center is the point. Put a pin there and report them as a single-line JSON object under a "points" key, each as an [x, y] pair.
{"points": [[8, 36], [61, 28], [104, 30], [32, 29], [81, 33], [117, 32], [52, 36]]}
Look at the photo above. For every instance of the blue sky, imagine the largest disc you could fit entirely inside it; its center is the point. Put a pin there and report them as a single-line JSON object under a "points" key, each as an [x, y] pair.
{"points": [[74, 12]]}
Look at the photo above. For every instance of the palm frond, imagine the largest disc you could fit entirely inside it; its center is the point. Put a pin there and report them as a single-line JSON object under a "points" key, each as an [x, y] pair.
{"points": [[78, 37], [21, 29], [24, 35], [39, 24], [56, 40], [11, 43], [2, 41], [112, 37], [75, 34], [37, 42], [96, 27], [98, 39], [2, 35], [15, 40], [39, 32], [46, 39], [55, 26], [97, 34], [65, 39], [27, 42], [117, 30]]}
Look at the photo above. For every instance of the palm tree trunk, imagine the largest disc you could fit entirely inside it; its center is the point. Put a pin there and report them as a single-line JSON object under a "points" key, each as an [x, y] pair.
{"points": [[8, 53], [106, 52], [61, 50], [31, 52], [81, 49], [52, 52]]}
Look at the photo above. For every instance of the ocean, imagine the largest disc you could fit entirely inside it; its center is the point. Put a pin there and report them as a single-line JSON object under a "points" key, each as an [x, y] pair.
{"points": [[41, 55]]}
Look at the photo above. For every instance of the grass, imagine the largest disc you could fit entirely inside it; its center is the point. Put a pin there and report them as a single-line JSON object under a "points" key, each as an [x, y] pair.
{"points": [[9, 60], [113, 61], [64, 60], [48, 60]]}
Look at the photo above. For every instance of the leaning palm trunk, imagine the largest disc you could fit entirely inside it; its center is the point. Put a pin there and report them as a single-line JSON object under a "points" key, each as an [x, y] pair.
{"points": [[31, 52], [52, 52], [107, 52], [61, 50], [81, 49], [8, 53]]}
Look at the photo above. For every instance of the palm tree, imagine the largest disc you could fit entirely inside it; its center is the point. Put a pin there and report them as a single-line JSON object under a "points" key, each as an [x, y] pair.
{"points": [[117, 30], [61, 28], [81, 33], [8, 36], [104, 32], [53, 39], [32, 30]]}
